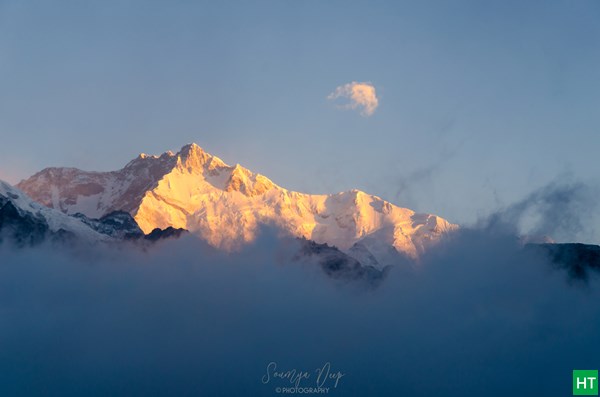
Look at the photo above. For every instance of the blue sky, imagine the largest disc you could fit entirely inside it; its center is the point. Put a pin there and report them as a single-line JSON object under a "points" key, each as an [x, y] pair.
{"points": [[480, 103]]}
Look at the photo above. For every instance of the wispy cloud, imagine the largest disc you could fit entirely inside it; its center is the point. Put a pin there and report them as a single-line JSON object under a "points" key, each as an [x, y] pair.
{"points": [[356, 95], [562, 210]]}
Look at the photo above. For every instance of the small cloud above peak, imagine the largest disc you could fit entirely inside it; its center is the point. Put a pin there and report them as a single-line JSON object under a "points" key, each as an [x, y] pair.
{"points": [[355, 96]]}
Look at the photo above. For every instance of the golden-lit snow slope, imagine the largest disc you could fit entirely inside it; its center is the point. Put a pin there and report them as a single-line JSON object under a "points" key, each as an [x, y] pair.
{"points": [[226, 204]]}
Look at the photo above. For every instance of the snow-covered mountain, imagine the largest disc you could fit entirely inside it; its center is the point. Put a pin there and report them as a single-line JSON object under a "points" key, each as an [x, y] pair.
{"points": [[24, 221], [225, 205]]}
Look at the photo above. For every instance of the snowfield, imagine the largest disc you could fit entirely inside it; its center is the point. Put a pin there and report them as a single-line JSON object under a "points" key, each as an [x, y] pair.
{"points": [[225, 205]]}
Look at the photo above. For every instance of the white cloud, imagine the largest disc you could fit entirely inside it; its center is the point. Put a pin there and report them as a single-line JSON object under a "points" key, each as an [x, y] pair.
{"points": [[356, 96]]}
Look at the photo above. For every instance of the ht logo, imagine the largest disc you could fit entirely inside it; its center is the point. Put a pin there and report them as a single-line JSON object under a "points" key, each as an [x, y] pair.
{"points": [[585, 382]]}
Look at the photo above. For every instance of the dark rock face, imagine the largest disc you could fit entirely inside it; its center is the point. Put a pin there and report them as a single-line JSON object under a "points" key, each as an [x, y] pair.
{"points": [[159, 234], [117, 224], [122, 226], [338, 265], [579, 260], [21, 229]]}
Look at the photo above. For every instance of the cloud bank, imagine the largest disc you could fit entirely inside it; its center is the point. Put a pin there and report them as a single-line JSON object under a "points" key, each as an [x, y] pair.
{"points": [[480, 316], [354, 95]]}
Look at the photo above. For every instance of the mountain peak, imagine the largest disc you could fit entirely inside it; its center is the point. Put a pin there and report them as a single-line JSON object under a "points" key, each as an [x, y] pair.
{"points": [[193, 158], [225, 205], [240, 171], [244, 181], [191, 148], [144, 160]]}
